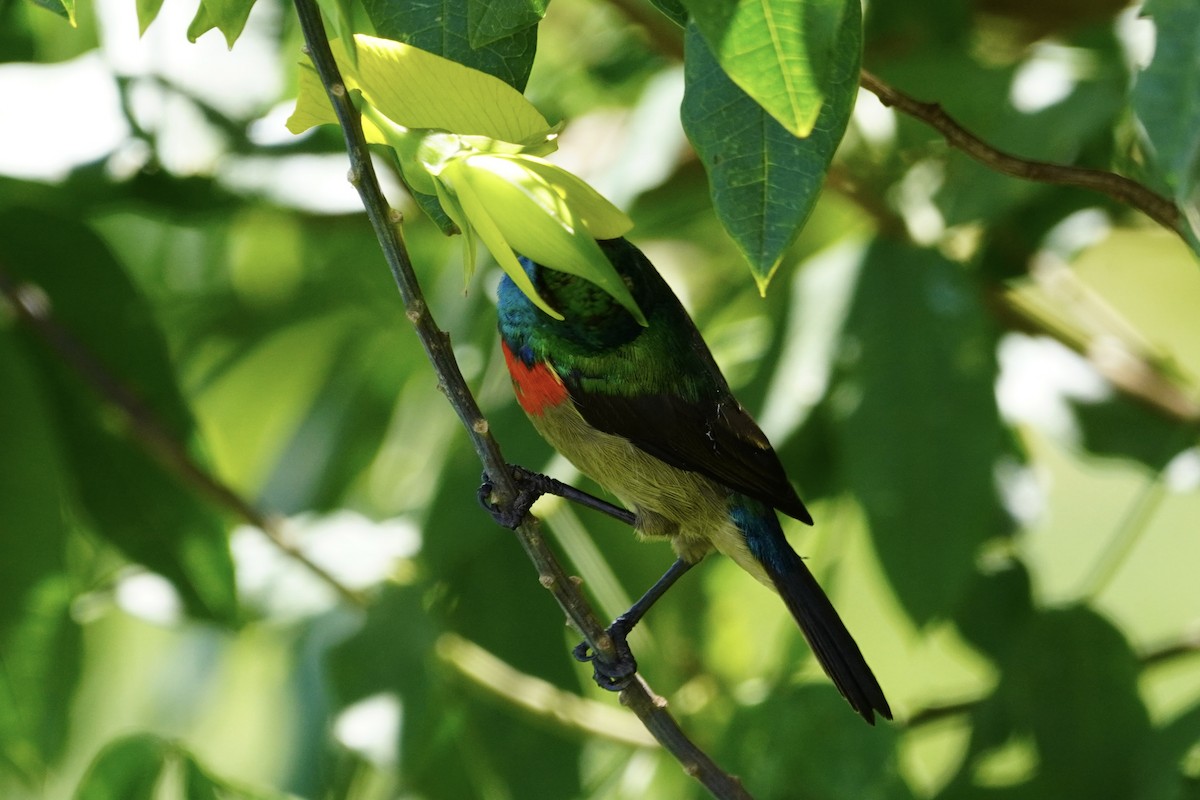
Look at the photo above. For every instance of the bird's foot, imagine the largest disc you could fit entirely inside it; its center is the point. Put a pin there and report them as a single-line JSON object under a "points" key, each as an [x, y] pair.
{"points": [[530, 486], [612, 674]]}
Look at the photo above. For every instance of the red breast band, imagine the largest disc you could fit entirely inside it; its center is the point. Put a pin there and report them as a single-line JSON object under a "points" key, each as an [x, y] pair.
{"points": [[537, 386]]}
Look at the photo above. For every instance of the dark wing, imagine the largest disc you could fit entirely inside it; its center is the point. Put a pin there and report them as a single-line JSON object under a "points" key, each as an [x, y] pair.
{"points": [[662, 390], [715, 437]]}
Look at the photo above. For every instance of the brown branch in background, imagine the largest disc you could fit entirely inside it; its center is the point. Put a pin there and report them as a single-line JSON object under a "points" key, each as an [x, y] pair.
{"points": [[1118, 187], [1187, 646], [33, 310], [539, 697], [667, 39], [664, 35], [637, 696], [1130, 372]]}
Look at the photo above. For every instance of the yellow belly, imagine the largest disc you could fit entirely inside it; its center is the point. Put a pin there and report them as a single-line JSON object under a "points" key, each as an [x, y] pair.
{"points": [[686, 507]]}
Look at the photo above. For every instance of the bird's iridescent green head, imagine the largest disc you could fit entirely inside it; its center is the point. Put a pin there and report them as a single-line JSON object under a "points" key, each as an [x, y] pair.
{"points": [[593, 319]]}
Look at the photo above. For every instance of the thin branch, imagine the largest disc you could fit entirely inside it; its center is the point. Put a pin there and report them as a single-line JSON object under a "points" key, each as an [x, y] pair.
{"points": [[664, 35], [1118, 187], [1130, 373], [540, 697], [666, 39], [1187, 646], [1130, 528], [145, 426], [637, 696], [931, 714]]}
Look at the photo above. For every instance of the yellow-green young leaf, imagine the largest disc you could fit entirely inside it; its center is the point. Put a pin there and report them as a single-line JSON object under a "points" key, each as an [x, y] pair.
{"points": [[455, 178], [418, 89], [536, 219], [407, 144], [454, 211], [341, 18], [542, 143], [312, 104], [602, 219], [313, 109]]}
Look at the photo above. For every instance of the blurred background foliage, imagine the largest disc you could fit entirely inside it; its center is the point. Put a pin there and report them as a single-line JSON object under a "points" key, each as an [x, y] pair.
{"points": [[985, 389]]}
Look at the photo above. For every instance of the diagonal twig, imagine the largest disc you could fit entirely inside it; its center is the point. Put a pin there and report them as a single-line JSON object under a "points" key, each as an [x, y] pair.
{"points": [[666, 40], [1118, 187], [650, 708], [145, 426]]}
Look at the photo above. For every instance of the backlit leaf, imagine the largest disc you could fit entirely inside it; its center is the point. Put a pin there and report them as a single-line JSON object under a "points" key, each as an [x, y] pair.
{"points": [[1166, 99], [764, 180], [418, 89], [227, 16], [443, 27], [920, 433], [778, 51]]}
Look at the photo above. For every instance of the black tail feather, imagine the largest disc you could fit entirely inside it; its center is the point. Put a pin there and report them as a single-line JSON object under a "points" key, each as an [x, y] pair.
{"points": [[832, 644]]}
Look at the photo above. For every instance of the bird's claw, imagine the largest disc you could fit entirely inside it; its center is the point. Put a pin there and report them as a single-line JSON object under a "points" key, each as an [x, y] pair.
{"points": [[511, 514], [611, 674]]}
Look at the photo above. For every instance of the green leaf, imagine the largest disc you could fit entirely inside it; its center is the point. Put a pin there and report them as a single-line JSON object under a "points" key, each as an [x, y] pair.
{"points": [[996, 607], [471, 214], [147, 12], [1162, 774], [421, 90], [764, 181], [1091, 737], [450, 744], [672, 10], [1125, 428], [228, 16], [491, 20], [197, 784], [779, 51], [126, 769], [525, 204], [63, 8], [38, 639], [1166, 100], [393, 651], [130, 499], [340, 14], [41, 664], [32, 529], [430, 205], [820, 733], [443, 27], [914, 408]]}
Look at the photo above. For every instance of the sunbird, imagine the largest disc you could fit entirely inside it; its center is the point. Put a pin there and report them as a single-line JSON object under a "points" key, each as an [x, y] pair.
{"points": [[646, 413]]}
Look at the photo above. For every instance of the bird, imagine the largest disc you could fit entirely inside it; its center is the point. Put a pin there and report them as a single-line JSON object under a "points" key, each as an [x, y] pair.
{"points": [[645, 412]]}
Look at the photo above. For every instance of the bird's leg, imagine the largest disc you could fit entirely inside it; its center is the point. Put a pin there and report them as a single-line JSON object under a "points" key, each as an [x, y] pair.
{"points": [[615, 674], [531, 486]]}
